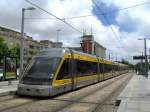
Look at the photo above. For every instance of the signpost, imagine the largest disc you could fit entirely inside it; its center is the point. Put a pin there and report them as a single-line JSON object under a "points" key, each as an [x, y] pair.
{"points": [[138, 57], [142, 70]]}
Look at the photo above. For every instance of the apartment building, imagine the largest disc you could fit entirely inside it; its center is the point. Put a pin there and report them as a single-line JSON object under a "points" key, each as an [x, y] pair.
{"points": [[86, 44], [31, 47]]}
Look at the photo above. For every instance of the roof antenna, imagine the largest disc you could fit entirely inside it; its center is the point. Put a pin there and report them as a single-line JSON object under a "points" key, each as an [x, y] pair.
{"points": [[91, 31], [83, 32]]}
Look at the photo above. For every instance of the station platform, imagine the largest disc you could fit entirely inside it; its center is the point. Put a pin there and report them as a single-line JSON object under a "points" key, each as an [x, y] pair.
{"points": [[136, 95], [8, 87]]}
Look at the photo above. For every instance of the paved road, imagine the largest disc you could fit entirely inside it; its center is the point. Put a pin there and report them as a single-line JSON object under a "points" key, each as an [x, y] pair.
{"points": [[88, 99]]}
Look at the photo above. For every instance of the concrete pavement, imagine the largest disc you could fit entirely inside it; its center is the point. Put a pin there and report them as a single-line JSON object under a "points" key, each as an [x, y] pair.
{"points": [[8, 87], [136, 96]]}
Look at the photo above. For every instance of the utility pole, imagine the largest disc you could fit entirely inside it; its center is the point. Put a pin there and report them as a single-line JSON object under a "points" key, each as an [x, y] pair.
{"points": [[142, 55], [21, 43], [141, 66], [145, 55], [149, 59], [21, 39], [146, 62]]}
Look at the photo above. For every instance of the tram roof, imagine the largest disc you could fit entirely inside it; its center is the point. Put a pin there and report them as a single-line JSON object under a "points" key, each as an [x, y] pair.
{"points": [[59, 52], [52, 52]]}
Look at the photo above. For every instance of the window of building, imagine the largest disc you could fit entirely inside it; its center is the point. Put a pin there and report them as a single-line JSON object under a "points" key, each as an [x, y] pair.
{"points": [[31, 46]]}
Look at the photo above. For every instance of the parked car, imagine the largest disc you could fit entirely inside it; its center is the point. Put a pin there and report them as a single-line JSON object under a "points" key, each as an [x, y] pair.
{"points": [[18, 71], [1, 74]]}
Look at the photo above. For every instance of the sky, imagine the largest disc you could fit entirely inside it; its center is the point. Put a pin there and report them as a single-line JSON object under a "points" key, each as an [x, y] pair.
{"points": [[118, 31]]}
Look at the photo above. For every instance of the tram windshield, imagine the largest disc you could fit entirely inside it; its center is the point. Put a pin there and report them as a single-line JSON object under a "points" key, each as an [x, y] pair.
{"points": [[41, 69]]}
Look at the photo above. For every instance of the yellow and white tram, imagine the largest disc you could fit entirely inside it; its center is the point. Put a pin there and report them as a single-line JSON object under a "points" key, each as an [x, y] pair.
{"points": [[58, 70]]}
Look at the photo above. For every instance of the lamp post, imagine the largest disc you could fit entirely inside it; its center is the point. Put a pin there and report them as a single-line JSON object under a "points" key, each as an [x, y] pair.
{"points": [[141, 65], [146, 62], [22, 37]]}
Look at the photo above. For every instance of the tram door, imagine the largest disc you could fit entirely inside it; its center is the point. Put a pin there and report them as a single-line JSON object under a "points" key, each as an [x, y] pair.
{"points": [[72, 66], [98, 71], [72, 73], [101, 71]]}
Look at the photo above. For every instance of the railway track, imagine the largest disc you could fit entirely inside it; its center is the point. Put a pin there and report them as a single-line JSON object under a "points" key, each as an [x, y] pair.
{"points": [[86, 99], [10, 102], [108, 104], [95, 101]]}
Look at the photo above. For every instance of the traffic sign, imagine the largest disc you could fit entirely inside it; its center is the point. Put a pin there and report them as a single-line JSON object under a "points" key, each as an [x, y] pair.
{"points": [[138, 57]]}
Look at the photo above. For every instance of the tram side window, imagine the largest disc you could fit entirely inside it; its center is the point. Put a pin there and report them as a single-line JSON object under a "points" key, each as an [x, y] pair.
{"points": [[115, 68], [107, 68], [64, 71], [86, 68], [110, 67], [81, 67], [119, 68]]}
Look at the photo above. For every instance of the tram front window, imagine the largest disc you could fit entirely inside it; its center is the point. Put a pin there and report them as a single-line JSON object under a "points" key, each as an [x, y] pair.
{"points": [[41, 70]]}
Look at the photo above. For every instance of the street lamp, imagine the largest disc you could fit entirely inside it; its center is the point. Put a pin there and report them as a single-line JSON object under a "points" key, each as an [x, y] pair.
{"points": [[29, 8], [22, 37]]}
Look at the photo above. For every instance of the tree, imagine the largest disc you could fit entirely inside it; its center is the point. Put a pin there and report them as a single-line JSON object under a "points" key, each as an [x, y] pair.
{"points": [[5, 51], [15, 52], [124, 61], [131, 66]]}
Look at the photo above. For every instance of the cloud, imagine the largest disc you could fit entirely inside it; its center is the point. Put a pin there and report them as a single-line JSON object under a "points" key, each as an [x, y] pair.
{"points": [[100, 7], [128, 25], [133, 23]]}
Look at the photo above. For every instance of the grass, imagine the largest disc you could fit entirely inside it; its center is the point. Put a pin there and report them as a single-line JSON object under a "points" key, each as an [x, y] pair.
{"points": [[10, 75]]}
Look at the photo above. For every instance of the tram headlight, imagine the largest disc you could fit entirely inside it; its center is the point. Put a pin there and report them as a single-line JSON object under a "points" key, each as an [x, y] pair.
{"points": [[51, 76]]}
